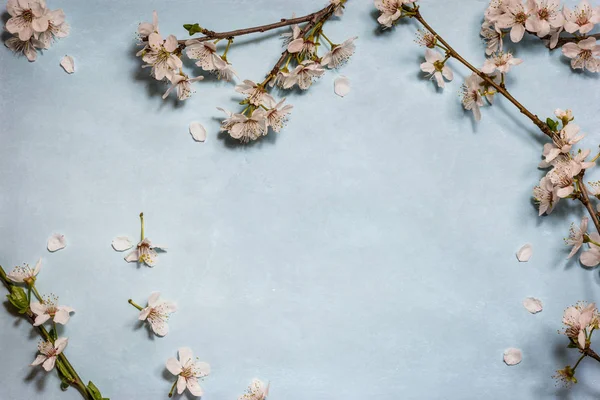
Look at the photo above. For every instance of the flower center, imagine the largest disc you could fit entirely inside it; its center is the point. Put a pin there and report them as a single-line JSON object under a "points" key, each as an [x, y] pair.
{"points": [[27, 15], [582, 17], [544, 14], [521, 18]]}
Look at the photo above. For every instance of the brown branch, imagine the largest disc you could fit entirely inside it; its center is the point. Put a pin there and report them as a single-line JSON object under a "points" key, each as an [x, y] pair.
{"points": [[591, 353], [211, 35], [584, 197]]}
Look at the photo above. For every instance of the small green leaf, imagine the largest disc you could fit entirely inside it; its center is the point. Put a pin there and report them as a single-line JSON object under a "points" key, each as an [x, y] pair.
{"points": [[572, 345], [64, 385], [552, 124], [18, 298], [94, 392], [193, 28]]}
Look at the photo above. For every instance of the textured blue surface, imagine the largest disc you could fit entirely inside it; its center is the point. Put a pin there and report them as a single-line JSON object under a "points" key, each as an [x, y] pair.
{"points": [[366, 252]]}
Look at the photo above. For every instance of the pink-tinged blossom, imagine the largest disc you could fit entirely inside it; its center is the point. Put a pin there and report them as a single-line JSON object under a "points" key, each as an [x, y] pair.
{"points": [[160, 55], [25, 274], [581, 19], [500, 62], [583, 53], [516, 19], [257, 95], [49, 351], [576, 236], [545, 195], [435, 66], [27, 18], [49, 309], [471, 95], [591, 257], [390, 11], [182, 83], [545, 14], [157, 314], [339, 54], [145, 253], [277, 114], [561, 177], [580, 320], [188, 371], [492, 36]]}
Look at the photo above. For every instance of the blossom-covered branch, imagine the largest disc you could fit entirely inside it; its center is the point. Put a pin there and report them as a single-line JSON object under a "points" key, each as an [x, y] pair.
{"points": [[298, 65], [557, 26], [46, 310]]}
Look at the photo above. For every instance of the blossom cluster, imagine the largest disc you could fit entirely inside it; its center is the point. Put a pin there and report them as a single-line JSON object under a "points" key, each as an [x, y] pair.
{"points": [[546, 19], [33, 26], [301, 66]]}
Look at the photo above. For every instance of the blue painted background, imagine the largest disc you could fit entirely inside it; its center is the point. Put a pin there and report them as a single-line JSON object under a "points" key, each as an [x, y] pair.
{"points": [[367, 251]]}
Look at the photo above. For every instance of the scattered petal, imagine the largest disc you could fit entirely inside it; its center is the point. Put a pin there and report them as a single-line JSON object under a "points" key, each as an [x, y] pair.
{"points": [[524, 253], [341, 86], [197, 131], [512, 356], [122, 243], [533, 305], [56, 242], [68, 64]]}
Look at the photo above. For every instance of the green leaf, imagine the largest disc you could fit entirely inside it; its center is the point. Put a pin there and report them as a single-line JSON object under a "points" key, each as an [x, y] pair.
{"points": [[18, 298], [552, 124], [192, 29], [94, 392], [572, 345], [63, 372]]}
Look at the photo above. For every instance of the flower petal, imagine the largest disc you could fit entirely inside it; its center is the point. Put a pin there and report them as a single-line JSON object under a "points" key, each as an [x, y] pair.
{"points": [[185, 355], [62, 317], [512, 356], [197, 131], [40, 319], [49, 363], [174, 366], [202, 369], [341, 86], [524, 253], [533, 305], [194, 387], [56, 242], [121, 243], [38, 360], [68, 64], [60, 344], [153, 299], [133, 256], [181, 384]]}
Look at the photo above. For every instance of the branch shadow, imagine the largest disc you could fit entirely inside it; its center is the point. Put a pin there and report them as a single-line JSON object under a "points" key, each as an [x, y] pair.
{"points": [[143, 325], [39, 376]]}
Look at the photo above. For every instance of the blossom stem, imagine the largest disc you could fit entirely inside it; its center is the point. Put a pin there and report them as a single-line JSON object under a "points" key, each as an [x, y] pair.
{"points": [[229, 42], [591, 353], [326, 38], [172, 389], [578, 361], [583, 197], [134, 304], [36, 293], [211, 35], [142, 222]]}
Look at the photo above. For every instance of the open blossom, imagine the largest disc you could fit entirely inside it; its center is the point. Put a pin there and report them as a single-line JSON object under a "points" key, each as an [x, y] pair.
{"points": [[160, 55], [303, 75], [492, 36], [182, 83], [581, 19], [49, 309], [49, 353], [277, 114], [157, 313], [578, 162], [567, 137], [576, 236], [27, 47], [471, 96], [545, 14], [339, 54], [501, 62], [25, 274], [583, 53], [250, 128], [302, 46], [435, 66], [390, 11], [282, 76], [144, 253], [580, 320], [561, 177], [591, 257], [204, 52], [57, 28], [425, 38], [188, 371], [27, 17], [257, 95], [495, 9], [545, 195], [517, 19], [224, 70], [257, 390]]}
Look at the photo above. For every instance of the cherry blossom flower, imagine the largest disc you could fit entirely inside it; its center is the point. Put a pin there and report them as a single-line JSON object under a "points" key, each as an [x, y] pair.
{"points": [[145, 253], [57, 28], [582, 19], [49, 309], [257, 95], [545, 14], [205, 53], [188, 371], [545, 195], [517, 19], [282, 76], [495, 9], [471, 96], [303, 75], [25, 274], [492, 36], [563, 143], [182, 83], [436, 67], [561, 177], [28, 47], [390, 11], [302, 46], [566, 376], [49, 353], [580, 320], [576, 236], [565, 116], [250, 128], [339, 54], [501, 62], [146, 28], [224, 70], [160, 55], [257, 390], [583, 53], [277, 114], [27, 17], [591, 257], [426, 39], [228, 122], [578, 162], [157, 313]]}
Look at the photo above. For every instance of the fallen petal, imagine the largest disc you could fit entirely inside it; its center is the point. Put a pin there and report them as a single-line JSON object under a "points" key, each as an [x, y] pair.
{"points": [[121, 243], [197, 131], [524, 253], [512, 356], [533, 305], [68, 64], [56, 242], [341, 86]]}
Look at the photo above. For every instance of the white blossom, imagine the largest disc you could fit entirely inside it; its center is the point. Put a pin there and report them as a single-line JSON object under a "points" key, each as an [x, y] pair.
{"points": [[160, 55], [257, 95], [576, 236], [339, 54], [501, 62], [205, 53], [49, 353], [591, 257], [182, 83], [146, 28], [257, 390], [303, 75], [545, 14], [545, 195], [581, 19], [471, 95], [435, 66], [188, 371], [25, 274], [27, 17], [57, 28], [250, 128], [583, 53], [492, 36], [49, 309], [157, 313], [390, 11], [277, 114], [517, 19], [27, 47], [145, 253]]}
